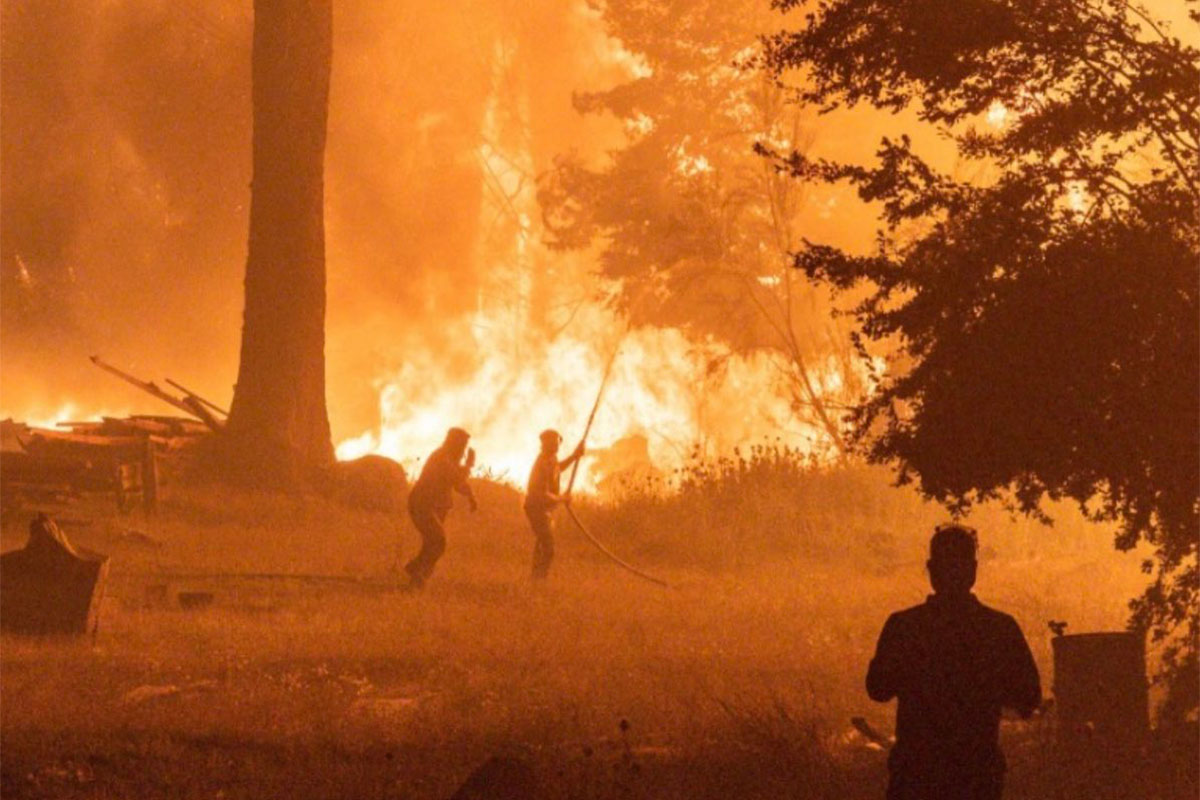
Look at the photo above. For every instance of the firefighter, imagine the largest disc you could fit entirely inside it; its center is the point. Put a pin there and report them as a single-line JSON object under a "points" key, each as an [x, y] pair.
{"points": [[445, 471], [543, 495], [953, 663]]}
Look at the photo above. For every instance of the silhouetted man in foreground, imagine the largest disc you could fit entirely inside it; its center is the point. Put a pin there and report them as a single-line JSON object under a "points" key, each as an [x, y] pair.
{"points": [[542, 495], [954, 664], [430, 500]]}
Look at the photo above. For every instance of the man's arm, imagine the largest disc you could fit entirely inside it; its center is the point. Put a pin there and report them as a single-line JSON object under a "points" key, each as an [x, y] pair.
{"points": [[1022, 689], [885, 676], [461, 485], [571, 459]]}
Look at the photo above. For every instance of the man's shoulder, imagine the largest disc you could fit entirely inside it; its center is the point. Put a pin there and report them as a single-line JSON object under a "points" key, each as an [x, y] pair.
{"points": [[996, 618], [923, 611], [909, 616]]}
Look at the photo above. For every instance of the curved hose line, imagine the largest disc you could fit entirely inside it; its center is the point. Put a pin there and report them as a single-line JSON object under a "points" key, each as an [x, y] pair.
{"points": [[611, 555]]}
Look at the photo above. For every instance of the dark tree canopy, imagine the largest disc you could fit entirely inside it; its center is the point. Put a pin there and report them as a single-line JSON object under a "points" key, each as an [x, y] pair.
{"points": [[1044, 316]]}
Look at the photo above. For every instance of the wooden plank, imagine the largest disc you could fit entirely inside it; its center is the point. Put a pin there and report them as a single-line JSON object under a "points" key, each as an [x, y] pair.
{"points": [[194, 408], [199, 399]]}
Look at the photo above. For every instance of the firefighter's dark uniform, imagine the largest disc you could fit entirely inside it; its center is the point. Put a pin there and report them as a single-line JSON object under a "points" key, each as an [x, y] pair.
{"points": [[428, 503], [544, 481], [953, 663]]}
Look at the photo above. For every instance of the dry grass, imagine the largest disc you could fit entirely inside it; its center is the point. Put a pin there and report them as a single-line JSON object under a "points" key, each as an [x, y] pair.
{"points": [[736, 682]]}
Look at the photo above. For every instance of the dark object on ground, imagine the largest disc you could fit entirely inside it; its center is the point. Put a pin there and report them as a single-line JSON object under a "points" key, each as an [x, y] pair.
{"points": [[371, 483], [1100, 686], [500, 778], [50, 586], [194, 600], [139, 539]]}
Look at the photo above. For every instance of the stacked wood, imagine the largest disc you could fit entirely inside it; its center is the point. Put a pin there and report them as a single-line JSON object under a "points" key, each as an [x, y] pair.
{"points": [[128, 458], [189, 403]]}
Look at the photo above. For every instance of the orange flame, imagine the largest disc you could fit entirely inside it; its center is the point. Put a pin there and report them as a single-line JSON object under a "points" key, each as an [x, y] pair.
{"points": [[679, 395]]}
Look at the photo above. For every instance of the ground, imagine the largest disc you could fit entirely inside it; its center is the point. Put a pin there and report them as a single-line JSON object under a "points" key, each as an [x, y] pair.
{"points": [[739, 680]]}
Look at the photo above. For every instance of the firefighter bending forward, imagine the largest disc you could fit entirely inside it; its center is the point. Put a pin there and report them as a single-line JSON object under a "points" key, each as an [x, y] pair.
{"points": [[430, 500], [543, 495]]}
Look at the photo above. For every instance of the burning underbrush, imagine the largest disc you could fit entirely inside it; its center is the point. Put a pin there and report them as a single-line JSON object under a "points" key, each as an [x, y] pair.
{"points": [[660, 398]]}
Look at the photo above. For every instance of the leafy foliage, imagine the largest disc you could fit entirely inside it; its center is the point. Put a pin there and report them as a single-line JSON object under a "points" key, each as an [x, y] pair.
{"points": [[1046, 318], [695, 228]]}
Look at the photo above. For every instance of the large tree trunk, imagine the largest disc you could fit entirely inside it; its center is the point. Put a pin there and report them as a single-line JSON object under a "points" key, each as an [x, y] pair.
{"points": [[278, 431]]}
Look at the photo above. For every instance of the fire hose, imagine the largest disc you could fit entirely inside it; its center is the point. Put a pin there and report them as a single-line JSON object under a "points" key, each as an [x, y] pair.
{"points": [[571, 483]]}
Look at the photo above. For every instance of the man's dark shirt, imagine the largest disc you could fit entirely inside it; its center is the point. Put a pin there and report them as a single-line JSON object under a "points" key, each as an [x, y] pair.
{"points": [[543, 481], [953, 664], [439, 477]]}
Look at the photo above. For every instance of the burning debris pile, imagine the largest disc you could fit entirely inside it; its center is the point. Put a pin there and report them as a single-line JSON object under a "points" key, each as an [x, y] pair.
{"points": [[128, 458], [131, 457]]}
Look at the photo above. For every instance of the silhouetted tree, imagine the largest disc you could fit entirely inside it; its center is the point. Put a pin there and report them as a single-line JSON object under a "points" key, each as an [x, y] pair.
{"points": [[1046, 318], [278, 428], [698, 230]]}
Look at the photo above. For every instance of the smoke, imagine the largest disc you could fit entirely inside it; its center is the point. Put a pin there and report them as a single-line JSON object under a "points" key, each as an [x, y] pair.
{"points": [[126, 169], [125, 172]]}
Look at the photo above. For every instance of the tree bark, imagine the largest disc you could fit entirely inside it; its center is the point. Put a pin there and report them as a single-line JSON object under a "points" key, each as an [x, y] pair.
{"points": [[278, 429]]}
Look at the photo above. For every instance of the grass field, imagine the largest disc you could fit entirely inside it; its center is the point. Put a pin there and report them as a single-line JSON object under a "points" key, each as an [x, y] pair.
{"points": [[736, 682]]}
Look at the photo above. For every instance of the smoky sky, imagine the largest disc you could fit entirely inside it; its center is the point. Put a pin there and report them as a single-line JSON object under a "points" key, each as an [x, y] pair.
{"points": [[125, 132], [126, 171]]}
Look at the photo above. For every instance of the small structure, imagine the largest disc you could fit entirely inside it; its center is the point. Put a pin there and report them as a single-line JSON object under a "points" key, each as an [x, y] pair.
{"points": [[126, 458], [1102, 712], [50, 586], [129, 458]]}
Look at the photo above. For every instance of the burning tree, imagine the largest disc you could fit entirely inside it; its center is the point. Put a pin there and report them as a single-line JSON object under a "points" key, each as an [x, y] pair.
{"points": [[278, 430], [695, 228], [1047, 317]]}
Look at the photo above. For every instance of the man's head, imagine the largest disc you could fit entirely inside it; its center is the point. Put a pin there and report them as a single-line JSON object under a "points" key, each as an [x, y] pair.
{"points": [[952, 559], [456, 442], [551, 439]]}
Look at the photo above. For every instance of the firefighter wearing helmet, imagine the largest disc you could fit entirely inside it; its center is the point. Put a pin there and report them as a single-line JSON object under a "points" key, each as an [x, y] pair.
{"points": [[543, 495]]}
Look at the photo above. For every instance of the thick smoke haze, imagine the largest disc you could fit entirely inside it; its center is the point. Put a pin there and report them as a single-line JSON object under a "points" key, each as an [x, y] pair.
{"points": [[125, 185], [126, 172]]}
